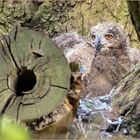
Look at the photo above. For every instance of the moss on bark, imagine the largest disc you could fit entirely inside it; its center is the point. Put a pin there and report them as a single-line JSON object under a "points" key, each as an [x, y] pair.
{"points": [[59, 16]]}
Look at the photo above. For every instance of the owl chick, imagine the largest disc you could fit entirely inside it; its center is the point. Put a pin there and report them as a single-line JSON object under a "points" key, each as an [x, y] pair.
{"points": [[78, 51], [104, 57], [113, 58]]}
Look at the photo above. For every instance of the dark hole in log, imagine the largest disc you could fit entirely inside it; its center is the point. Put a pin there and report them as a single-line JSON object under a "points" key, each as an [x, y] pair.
{"points": [[37, 54], [26, 80], [71, 79]]}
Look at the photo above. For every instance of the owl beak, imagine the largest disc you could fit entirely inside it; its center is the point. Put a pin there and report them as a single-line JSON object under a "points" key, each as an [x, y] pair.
{"points": [[98, 44]]}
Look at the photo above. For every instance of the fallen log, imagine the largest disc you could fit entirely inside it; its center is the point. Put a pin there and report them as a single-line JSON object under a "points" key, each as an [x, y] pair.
{"points": [[35, 87]]}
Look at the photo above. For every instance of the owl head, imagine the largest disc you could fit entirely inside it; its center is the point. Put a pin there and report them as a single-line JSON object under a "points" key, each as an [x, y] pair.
{"points": [[106, 36]]}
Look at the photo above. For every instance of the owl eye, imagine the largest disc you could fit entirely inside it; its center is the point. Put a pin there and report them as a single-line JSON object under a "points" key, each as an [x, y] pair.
{"points": [[109, 36], [93, 37]]}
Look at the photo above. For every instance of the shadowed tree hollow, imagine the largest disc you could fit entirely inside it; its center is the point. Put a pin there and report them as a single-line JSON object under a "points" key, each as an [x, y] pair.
{"points": [[26, 80], [134, 9]]}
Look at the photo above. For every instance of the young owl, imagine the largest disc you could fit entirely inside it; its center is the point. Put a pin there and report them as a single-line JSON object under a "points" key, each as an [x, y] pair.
{"points": [[114, 58], [104, 58], [78, 51]]}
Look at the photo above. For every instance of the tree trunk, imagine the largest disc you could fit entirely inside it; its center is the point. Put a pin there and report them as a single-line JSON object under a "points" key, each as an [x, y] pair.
{"points": [[127, 93]]}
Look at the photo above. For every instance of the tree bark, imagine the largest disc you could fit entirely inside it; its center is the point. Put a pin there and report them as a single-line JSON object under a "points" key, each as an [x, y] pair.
{"points": [[127, 101], [127, 92]]}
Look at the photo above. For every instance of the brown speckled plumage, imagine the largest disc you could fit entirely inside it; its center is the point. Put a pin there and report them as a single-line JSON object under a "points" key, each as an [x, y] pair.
{"points": [[105, 67], [77, 50], [111, 63]]}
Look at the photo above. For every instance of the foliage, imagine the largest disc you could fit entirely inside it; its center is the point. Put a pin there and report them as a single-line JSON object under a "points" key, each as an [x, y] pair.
{"points": [[12, 131]]}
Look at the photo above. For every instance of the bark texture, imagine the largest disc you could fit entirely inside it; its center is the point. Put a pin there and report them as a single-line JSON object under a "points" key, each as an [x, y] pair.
{"points": [[127, 101], [127, 93], [60, 16]]}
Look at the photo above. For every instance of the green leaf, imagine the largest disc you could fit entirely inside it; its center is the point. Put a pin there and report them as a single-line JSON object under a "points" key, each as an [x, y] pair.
{"points": [[12, 131]]}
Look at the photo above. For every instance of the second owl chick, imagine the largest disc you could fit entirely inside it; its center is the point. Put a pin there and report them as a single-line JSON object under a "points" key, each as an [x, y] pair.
{"points": [[113, 58], [78, 51]]}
